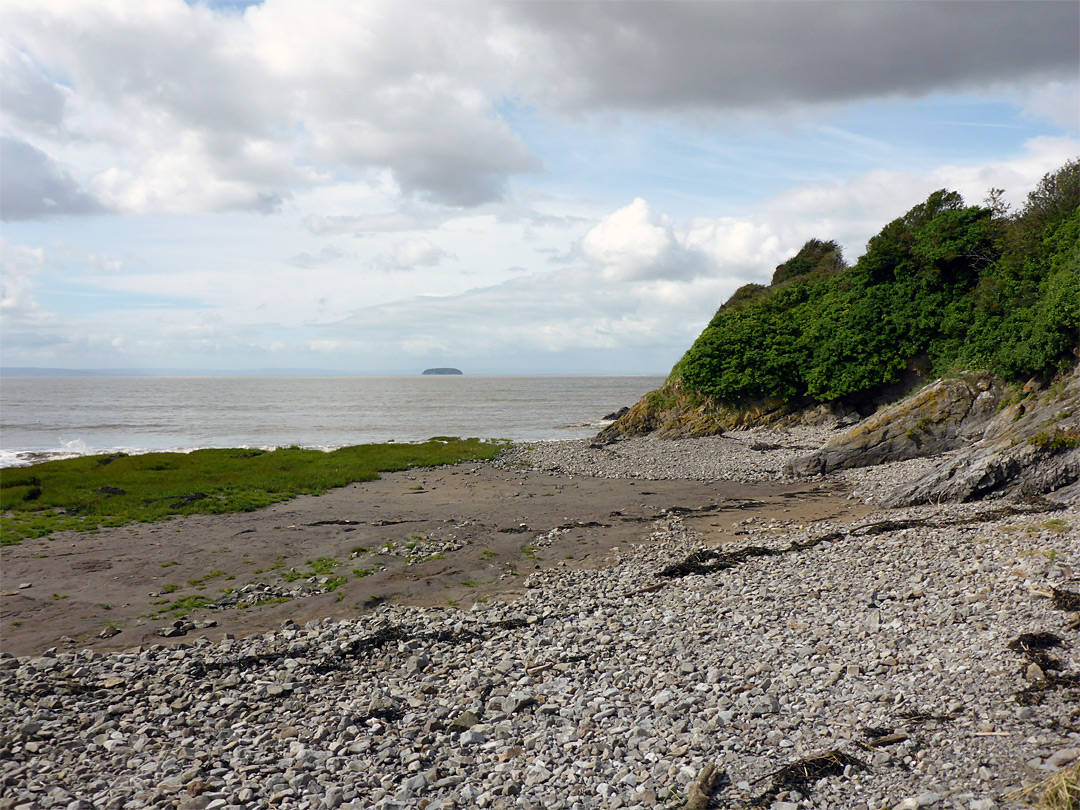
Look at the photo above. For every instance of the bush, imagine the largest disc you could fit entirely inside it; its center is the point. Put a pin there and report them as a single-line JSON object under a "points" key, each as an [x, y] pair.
{"points": [[947, 283]]}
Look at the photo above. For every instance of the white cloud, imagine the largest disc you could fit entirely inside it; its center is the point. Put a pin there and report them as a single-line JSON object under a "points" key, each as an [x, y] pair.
{"points": [[409, 254], [637, 242], [20, 264], [359, 225]]}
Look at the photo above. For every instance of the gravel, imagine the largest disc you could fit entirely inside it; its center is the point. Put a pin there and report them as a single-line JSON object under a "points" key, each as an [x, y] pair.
{"points": [[873, 657], [744, 455]]}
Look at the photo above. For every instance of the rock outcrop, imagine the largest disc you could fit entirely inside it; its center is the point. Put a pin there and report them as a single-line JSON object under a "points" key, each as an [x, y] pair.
{"points": [[1031, 448], [674, 412], [944, 415], [1019, 443]]}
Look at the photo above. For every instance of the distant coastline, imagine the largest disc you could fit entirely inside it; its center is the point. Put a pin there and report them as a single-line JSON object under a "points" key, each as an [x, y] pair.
{"points": [[443, 371]]}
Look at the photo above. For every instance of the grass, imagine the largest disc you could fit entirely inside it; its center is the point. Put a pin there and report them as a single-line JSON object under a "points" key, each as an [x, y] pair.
{"points": [[201, 582], [181, 607], [92, 492], [1058, 792], [320, 567]]}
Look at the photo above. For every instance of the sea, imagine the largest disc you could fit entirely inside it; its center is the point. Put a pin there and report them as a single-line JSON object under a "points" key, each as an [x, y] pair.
{"points": [[43, 418]]}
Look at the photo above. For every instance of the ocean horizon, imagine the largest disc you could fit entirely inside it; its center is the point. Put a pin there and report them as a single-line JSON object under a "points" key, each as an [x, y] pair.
{"points": [[47, 417]]}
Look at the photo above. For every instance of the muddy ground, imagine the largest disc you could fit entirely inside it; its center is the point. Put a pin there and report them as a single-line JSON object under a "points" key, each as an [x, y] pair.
{"points": [[127, 578]]}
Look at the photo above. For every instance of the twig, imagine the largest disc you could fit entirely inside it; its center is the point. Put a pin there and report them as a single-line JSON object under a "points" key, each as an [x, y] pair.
{"points": [[647, 589]]}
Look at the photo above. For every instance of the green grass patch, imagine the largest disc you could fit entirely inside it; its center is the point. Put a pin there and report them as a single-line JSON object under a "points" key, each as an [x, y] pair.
{"points": [[94, 492], [201, 582], [320, 567], [323, 565], [183, 606]]}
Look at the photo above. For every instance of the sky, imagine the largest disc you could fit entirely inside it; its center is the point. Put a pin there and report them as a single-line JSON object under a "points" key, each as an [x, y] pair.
{"points": [[504, 187]]}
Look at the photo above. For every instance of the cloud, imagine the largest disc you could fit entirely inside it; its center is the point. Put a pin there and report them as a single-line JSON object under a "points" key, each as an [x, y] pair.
{"points": [[637, 242], [371, 223], [34, 186], [753, 56], [327, 255], [580, 311], [409, 254], [20, 264], [30, 99], [176, 107]]}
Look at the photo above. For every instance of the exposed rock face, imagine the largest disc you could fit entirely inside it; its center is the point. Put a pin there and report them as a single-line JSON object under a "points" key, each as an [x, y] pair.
{"points": [[670, 413], [944, 415], [1026, 447], [674, 412], [1030, 448]]}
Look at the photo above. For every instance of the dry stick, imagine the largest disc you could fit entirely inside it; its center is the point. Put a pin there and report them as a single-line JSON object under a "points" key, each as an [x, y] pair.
{"points": [[646, 589], [701, 790], [888, 739]]}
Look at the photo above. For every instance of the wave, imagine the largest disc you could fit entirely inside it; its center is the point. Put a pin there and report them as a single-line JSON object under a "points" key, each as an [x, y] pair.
{"points": [[77, 448]]}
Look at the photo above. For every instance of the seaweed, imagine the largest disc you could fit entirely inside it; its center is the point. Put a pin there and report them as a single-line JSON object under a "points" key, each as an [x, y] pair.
{"points": [[1034, 646], [802, 774], [1065, 600]]}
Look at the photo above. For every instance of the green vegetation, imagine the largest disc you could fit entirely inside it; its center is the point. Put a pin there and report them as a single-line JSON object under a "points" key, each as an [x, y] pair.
{"points": [[944, 287], [102, 491], [200, 583], [1055, 442], [181, 607]]}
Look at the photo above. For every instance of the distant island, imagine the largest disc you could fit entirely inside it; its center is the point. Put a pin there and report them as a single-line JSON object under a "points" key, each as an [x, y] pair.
{"points": [[442, 371]]}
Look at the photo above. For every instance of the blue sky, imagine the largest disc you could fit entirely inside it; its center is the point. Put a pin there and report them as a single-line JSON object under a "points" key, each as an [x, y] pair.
{"points": [[504, 187]]}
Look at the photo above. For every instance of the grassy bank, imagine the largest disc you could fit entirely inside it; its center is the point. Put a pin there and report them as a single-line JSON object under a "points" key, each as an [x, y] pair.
{"points": [[99, 491]]}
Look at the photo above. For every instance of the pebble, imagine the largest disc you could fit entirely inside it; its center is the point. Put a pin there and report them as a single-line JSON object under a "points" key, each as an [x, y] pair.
{"points": [[593, 690]]}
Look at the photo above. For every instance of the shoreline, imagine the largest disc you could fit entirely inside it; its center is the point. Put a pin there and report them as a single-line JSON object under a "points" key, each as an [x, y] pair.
{"points": [[597, 683]]}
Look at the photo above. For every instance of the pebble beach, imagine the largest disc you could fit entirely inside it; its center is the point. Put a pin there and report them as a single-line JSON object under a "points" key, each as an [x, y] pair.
{"points": [[924, 657]]}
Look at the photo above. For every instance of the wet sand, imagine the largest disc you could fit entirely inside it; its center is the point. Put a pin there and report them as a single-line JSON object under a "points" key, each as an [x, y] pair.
{"points": [[81, 582]]}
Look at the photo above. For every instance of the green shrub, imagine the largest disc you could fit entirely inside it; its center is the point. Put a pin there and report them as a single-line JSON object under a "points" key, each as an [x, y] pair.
{"points": [[947, 285]]}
